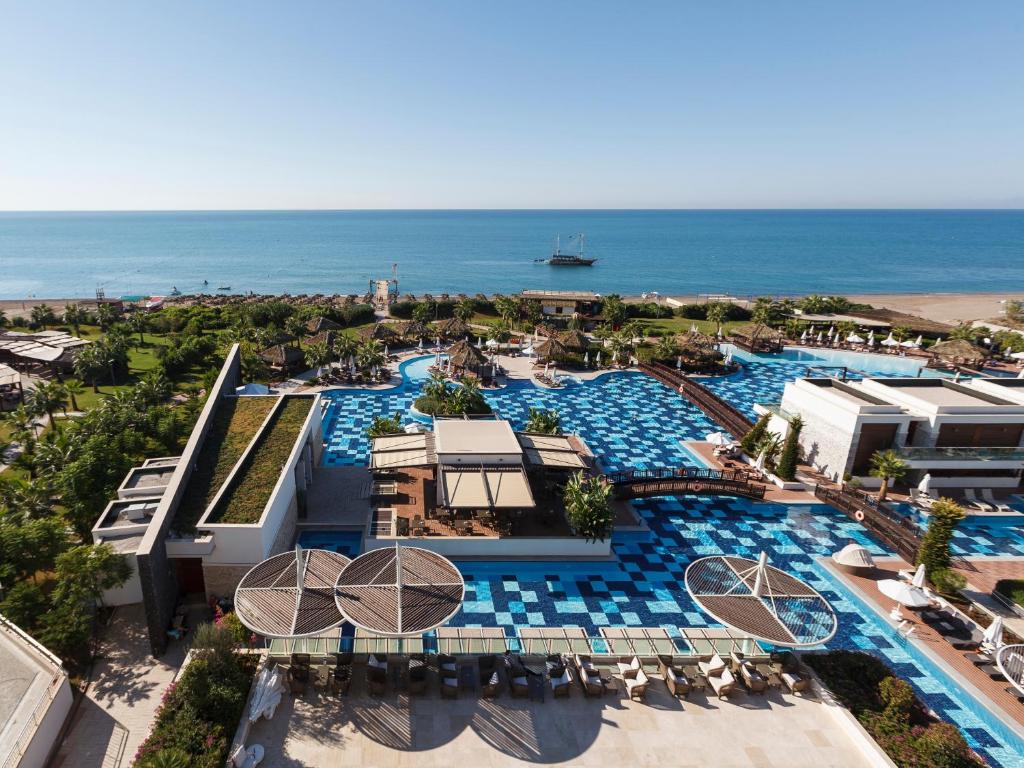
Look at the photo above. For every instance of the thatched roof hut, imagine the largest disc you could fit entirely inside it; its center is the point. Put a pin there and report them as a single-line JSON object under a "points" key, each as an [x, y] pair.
{"points": [[453, 328], [283, 357], [757, 337], [414, 330], [464, 356], [321, 324], [575, 340], [959, 351], [552, 348], [380, 331]]}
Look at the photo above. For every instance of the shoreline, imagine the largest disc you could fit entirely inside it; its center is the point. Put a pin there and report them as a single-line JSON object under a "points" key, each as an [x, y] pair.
{"points": [[944, 307]]}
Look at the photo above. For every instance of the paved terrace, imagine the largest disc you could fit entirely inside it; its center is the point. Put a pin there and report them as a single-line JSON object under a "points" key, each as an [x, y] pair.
{"points": [[314, 729]]}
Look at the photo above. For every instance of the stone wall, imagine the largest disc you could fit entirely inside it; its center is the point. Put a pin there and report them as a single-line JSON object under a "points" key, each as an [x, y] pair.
{"points": [[221, 580]]}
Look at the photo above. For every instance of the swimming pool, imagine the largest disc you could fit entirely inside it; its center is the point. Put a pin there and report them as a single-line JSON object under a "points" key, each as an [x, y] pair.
{"points": [[978, 536]]}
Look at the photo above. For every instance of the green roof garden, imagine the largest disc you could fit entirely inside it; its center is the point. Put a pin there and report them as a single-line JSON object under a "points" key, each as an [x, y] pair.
{"points": [[235, 423], [244, 500]]}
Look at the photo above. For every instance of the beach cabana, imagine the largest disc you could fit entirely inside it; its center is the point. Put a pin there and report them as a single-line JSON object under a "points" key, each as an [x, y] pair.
{"points": [[379, 332], [757, 337], [552, 349], [414, 331], [321, 324], [465, 358], [453, 328], [575, 341], [959, 352], [283, 358], [854, 558]]}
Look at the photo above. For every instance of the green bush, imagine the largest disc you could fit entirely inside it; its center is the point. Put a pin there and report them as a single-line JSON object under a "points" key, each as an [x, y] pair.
{"points": [[888, 709], [947, 581], [786, 468], [755, 435], [943, 518]]}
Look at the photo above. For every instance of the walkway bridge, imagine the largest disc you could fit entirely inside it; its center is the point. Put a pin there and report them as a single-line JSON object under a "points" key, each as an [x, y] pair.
{"points": [[679, 481], [888, 526], [714, 407]]}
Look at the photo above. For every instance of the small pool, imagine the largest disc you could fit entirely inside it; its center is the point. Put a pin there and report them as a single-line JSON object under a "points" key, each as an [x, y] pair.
{"points": [[867, 362], [348, 543], [418, 368]]}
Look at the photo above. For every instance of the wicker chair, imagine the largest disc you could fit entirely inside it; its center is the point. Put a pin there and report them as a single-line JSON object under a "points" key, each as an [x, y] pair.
{"points": [[376, 681]]}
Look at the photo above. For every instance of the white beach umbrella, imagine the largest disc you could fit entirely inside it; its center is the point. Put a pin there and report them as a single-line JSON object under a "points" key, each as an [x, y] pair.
{"points": [[536, 335], [385, 350], [820, 337], [717, 438], [679, 362], [598, 361], [919, 574], [920, 339], [803, 336], [909, 344], [586, 358], [1017, 355], [871, 341], [615, 356], [693, 327], [938, 340], [904, 593], [925, 485], [853, 338], [759, 464], [1021, 374], [831, 330], [420, 346], [889, 341], [993, 635]]}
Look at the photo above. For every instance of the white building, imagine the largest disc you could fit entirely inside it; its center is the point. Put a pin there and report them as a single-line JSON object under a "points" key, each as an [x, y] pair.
{"points": [[35, 699], [965, 435]]}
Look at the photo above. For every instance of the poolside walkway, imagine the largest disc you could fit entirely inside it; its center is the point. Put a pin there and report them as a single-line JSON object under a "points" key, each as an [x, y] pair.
{"points": [[773, 730], [929, 639]]}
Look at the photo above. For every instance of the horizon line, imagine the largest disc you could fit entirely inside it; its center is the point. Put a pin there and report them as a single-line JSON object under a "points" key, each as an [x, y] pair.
{"points": [[883, 209]]}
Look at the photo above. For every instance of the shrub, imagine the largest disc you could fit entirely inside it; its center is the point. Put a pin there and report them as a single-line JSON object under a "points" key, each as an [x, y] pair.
{"points": [[947, 581], [944, 517], [587, 506], [786, 468], [755, 435]]}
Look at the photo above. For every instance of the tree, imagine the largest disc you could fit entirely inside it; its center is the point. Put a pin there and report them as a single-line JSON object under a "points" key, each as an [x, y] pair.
{"points": [[753, 437], [71, 389], [465, 309], [769, 446], [107, 314], [385, 425], [786, 468], [887, 465], [370, 355], [74, 316], [42, 315], [534, 311], [765, 311], [507, 309], [666, 349], [967, 332], [89, 365], [587, 507], [943, 517], [45, 398], [544, 422], [318, 355], [717, 313], [139, 323], [613, 310], [345, 346], [424, 312], [29, 545], [1013, 309]]}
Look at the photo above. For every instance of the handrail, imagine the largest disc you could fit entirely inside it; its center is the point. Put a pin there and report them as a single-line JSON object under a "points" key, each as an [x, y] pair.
{"points": [[713, 406], [892, 529], [668, 481]]}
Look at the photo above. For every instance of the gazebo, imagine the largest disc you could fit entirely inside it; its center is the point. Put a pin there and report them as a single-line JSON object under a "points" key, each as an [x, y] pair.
{"points": [[414, 331], [399, 591], [575, 341], [959, 352], [292, 594], [379, 332], [464, 357], [761, 601], [757, 337], [552, 348]]}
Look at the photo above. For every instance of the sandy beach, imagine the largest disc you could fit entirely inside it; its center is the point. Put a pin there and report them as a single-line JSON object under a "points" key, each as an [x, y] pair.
{"points": [[941, 307]]}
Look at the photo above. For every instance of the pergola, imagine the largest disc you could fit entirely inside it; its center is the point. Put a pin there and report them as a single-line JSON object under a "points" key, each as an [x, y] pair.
{"points": [[761, 601]]}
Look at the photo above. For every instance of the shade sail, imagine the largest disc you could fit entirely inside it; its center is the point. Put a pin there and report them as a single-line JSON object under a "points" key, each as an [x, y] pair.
{"points": [[291, 594], [399, 591], [761, 601]]}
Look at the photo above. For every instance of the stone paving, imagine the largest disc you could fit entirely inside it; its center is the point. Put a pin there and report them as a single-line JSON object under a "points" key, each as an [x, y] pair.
{"points": [[115, 714]]}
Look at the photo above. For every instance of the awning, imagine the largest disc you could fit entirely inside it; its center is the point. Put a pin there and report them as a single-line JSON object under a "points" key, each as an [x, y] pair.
{"points": [[551, 451], [414, 449], [485, 488]]}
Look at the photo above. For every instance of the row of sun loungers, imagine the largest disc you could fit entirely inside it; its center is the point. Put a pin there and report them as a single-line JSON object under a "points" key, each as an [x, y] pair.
{"points": [[987, 504]]}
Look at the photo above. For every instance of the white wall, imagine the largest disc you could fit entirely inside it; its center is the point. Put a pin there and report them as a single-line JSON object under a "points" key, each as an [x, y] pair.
{"points": [[128, 593], [48, 731]]}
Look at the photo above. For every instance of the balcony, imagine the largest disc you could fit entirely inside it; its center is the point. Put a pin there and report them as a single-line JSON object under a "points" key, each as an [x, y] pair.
{"points": [[995, 458]]}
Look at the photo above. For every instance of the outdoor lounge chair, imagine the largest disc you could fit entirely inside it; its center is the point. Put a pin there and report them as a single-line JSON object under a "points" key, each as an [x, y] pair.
{"points": [[298, 676], [341, 678], [975, 502], [247, 758], [417, 676], [723, 684], [519, 687], [979, 659], [633, 666], [787, 667], [560, 685], [990, 498], [675, 678], [447, 665], [590, 677], [752, 680], [491, 686], [715, 666], [637, 683]]}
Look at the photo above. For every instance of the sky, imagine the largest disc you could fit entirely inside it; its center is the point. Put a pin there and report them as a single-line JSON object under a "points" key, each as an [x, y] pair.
{"points": [[256, 105]]}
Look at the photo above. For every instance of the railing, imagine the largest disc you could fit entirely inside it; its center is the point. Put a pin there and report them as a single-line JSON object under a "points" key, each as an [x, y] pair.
{"points": [[962, 453], [668, 481], [891, 528], [714, 407]]}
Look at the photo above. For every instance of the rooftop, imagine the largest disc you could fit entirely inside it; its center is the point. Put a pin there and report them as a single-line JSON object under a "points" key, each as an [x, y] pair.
{"points": [[122, 513], [565, 295], [475, 436], [234, 425], [937, 393], [464, 487], [154, 476]]}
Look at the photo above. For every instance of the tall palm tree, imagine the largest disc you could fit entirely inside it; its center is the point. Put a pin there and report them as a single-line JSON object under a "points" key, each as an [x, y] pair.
{"points": [[318, 355], [465, 309], [437, 386], [74, 316], [45, 398], [666, 348], [370, 354], [717, 312], [508, 309], [345, 346], [887, 465], [139, 323]]}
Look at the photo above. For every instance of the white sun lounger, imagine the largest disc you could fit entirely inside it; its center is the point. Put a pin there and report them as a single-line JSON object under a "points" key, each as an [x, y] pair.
{"points": [[991, 499], [975, 502]]}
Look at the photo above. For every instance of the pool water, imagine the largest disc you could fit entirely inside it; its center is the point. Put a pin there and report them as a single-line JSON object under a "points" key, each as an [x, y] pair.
{"points": [[978, 536]]}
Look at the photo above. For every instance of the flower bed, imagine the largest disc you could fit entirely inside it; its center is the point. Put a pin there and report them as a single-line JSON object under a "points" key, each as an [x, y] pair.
{"points": [[888, 709]]}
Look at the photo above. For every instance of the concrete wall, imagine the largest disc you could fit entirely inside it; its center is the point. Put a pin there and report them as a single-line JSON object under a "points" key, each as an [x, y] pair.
{"points": [[44, 741], [156, 574], [485, 546], [128, 593]]}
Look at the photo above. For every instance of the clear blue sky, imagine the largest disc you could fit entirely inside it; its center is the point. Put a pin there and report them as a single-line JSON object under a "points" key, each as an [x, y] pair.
{"points": [[140, 105]]}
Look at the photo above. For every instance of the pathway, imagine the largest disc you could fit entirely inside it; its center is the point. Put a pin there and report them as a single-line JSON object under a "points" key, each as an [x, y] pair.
{"points": [[116, 712]]}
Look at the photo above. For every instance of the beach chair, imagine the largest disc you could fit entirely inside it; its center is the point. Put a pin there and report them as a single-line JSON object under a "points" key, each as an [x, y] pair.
{"points": [[975, 502], [376, 680], [723, 684], [678, 684], [637, 683], [1004, 509]]}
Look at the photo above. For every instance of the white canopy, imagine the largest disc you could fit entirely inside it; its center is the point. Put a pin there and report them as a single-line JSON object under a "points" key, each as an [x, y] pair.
{"points": [[889, 341], [853, 338], [919, 575], [993, 635], [854, 555], [717, 438], [925, 485]]}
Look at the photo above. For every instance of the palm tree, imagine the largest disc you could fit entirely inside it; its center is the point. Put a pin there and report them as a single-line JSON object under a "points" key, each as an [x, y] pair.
{"points": [[966, 332], [613, 310], [45, 398], [3, 319], [437, 387], [139, 324], [765, 311], [89, 365], [318, 355], [465, 309], [620, 344], [106, 314], [370, 354], [717, 312], [424, 312], [153, 389], [813, 304], [587, 506], [74, 316], [345, 346], [900, 333], [887, 465], [544, 422], [42, 315], [295, 326], [666, 348], [508, 309]]}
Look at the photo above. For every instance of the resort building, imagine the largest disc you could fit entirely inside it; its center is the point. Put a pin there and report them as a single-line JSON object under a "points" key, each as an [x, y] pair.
{"points": [[564, 304], [192, 525], [43, 349], [35, 699], [965, 435]]}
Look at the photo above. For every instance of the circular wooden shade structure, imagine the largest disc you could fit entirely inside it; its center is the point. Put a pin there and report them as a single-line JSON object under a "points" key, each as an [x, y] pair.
{"points": [[291, 594], [399, 591], [756, 599], [1010, 660]]}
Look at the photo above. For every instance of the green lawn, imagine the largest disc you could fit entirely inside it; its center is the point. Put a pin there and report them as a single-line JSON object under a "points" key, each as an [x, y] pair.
{"points": [[667, 325]]}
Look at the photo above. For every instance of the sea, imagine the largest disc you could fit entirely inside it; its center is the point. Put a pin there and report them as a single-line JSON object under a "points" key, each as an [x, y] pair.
{"points": [[672, 252]]}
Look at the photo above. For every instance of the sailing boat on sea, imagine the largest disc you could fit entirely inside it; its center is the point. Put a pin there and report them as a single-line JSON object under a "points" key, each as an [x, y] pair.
{"points": [[559, 259]]}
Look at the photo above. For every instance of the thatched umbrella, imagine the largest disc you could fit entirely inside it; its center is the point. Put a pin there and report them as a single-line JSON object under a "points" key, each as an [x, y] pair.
{"points": [[464, 356], [378, 331], [575, 340], [413, 330], [321, 324], [551, 348], [453, 328], [959, 351]]}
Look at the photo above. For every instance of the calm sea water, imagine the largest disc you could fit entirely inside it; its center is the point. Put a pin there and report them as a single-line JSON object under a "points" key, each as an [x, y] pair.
{"points": [[674, 252]]}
